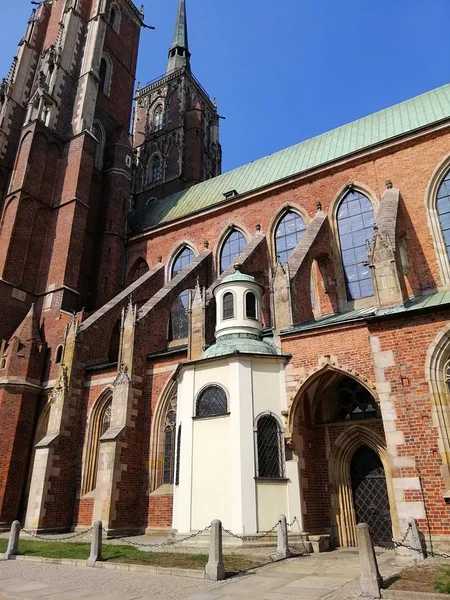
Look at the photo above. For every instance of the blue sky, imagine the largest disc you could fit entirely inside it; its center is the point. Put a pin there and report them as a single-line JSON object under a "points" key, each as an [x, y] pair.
{"points": [[288, 70]]}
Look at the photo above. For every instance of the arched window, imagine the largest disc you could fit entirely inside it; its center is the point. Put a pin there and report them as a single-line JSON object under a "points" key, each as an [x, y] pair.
{"points": [[228, 306], [233, 246], [250, 305], [269, 439], [169, 446], [212, 401], [114, 18], [158, 117], [354, 402], [443, 209], [58, 354], [355, 219], [140, 269], [289, 232], [100, 422], [183, 259], [156, 169], [179, 322]]}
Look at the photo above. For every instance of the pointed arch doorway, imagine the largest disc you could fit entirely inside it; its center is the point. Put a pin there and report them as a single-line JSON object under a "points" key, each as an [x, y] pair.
{"points": [[370, 494]]}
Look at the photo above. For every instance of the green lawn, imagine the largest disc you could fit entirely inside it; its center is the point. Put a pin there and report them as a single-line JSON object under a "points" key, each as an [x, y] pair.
{"points": [[234, 563]]}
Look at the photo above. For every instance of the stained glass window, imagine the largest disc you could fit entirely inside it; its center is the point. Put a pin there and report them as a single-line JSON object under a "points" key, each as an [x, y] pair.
{"points": [[212, 401], [270, 448], [184, 258], [232, 247], [355, 220], [443, 208], [289, 232], [228, 306]]}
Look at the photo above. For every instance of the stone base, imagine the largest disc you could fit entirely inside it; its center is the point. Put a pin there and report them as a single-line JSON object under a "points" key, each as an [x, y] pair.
{"points": [[320, 543]]}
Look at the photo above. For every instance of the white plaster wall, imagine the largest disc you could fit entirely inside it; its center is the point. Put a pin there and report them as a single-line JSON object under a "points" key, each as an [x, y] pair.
{"points": [[266, 387], [272, 500], [212, 477]]}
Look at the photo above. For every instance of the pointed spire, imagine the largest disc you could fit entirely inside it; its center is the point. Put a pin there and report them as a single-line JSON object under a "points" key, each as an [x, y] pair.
{"points": [[179, 55]]}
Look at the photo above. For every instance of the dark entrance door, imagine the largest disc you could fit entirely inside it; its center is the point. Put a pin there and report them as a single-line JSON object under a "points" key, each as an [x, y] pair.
{"points": [[370, 494]]}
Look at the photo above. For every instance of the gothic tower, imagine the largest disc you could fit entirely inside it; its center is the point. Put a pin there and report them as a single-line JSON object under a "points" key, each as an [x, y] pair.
{"points": [[176, 127]]}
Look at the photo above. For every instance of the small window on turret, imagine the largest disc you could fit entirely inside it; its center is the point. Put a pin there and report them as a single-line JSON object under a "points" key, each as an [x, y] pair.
{"points": [[228, 306], [250, 305], [3, 363]]}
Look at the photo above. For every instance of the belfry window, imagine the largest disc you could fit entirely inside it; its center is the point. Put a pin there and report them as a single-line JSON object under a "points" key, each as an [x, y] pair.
{"points": [[156, 169], [289, 232], [443, 209], [183, 259], [158, 118], [233, 246], [250, 305], [355, 219], [228, 306], [211, 402], [269, 441]]}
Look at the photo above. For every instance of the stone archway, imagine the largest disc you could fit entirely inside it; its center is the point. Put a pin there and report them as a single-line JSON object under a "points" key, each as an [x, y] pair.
{"points": [[334, 414]]}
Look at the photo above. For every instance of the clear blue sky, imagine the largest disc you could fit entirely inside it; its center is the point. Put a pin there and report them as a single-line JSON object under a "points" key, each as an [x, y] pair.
{"points": [[286, 70]]}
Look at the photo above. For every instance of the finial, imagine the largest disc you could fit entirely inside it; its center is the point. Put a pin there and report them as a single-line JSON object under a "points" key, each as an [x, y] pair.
{"points": [[389, 185], [258, 227], [142, 10], [319, 207], [237, 266], [215, 102], [205, 244], [138, 87]]}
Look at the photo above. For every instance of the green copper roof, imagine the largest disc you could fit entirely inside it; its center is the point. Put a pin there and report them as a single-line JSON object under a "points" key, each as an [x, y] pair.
{"points": [[382, 126], [239, 343], [237, 276]]}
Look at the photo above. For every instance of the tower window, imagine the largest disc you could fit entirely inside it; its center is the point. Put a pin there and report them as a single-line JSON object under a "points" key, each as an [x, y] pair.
{"points": [[104, 74], [212, 402], [355, 219], [158, 118], [289, 232], [250, 305], [269, 442], [233, 246], [156, 169], [114, 18], [228, 306]]}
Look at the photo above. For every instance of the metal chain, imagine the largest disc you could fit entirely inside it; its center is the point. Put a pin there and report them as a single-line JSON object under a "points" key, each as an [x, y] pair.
{"points": [[162, 544], [249, 538], [402, 544], [57, 539]]}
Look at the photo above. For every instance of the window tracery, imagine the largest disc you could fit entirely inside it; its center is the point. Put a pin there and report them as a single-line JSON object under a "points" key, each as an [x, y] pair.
{"points": [[234, 244]]}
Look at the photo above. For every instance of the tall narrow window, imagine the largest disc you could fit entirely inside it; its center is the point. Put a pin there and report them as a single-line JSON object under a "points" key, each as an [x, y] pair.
{"points": [[104, 75], [177, 465], [250, 305], [169, 447], [183, 259], [156, 169], [233, 246], [355, 219], [58, 355], [443, 208], [270, 448], [158, 118], [228, 306], [100, 422], [179, 322], [289, 232]]}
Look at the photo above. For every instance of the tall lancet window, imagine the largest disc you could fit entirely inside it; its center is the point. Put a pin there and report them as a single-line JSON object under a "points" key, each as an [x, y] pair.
{"points": [[156, 169], [169, 447], [443, 208], [158, 117], [233, 246], [99, 423], [289, 232]]}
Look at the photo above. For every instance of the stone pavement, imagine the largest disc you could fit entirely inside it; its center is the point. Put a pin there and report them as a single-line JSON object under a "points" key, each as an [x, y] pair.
{"points": [[330, 576]]}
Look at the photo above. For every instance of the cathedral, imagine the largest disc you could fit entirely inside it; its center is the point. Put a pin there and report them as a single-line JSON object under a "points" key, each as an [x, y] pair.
{"points": [[180, 345]]}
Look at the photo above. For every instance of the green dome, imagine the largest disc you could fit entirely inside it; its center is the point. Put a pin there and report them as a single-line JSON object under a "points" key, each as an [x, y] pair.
{"points": [[238, 276], [240, 343]]}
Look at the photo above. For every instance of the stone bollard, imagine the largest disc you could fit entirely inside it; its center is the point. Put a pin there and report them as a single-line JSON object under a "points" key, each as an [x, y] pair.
{"points": [[215, 570], [371, 580], [413, 540], [96, 545], [282, 538], [13, 542]]}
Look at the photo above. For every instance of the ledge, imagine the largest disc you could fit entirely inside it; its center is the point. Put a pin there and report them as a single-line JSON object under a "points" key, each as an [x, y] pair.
{"points": [[207, 417], [272, 480]]}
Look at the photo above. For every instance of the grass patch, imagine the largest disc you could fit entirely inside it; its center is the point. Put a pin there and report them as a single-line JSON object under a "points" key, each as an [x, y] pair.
{"points": [[422, 578], [442, 583], [234, 563]]}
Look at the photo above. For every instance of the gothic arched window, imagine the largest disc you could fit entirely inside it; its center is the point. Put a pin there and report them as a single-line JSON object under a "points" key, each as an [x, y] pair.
{"points": [[269, 441], [228, 306], [288, 233], [250, 305], [99, 423], [179, 321], [104, 74], [114, 17], [156, 169], [354, 402], [183, 259], [355, 220], [212, 401], [140, 269], [443, 209], [58, 355], [169, 446], [158, 117], [232, 247]]}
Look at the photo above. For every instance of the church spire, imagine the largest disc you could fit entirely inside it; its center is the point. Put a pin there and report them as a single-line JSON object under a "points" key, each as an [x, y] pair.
{"points": [[179, 55]]}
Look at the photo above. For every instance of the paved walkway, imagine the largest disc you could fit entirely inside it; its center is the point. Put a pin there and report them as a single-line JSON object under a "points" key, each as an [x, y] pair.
{"points": [[328, 576]]}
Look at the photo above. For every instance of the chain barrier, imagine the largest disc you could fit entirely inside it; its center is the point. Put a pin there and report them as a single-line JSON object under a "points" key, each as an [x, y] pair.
{"points": [[295, 520], [401, 544], [44, 538], [163, 544], [251, 538]]}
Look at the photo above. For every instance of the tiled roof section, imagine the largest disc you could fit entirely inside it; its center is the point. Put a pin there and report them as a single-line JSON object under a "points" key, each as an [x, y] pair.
{"points": [[416, 304], [382, 126]]}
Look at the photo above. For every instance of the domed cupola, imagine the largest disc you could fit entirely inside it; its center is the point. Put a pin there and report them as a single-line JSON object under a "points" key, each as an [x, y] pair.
{"points": [[238, 317]]}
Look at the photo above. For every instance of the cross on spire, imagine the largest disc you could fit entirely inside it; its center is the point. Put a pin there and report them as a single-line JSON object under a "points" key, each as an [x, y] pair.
{"points": [[179, 55]]}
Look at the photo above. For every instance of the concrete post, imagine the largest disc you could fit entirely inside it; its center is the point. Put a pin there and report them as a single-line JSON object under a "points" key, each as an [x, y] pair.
{"points": [[215, 570], [282, 538], [371, 580], [13, 543], [413, 540], [96, 545]]}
